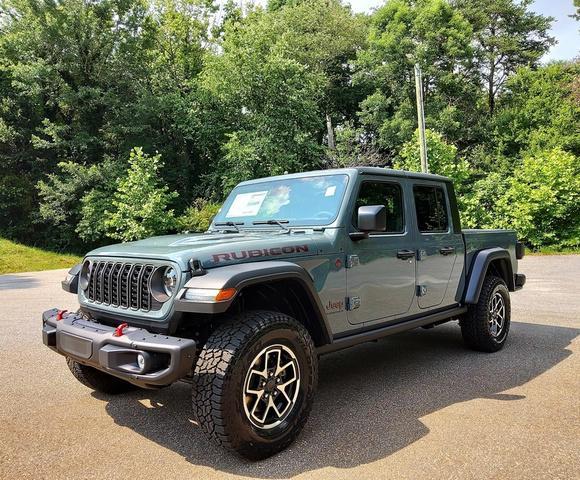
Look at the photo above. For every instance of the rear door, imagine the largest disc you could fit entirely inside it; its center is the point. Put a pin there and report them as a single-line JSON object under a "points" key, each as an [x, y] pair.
{"points": [[381, 273], [437, 244]]}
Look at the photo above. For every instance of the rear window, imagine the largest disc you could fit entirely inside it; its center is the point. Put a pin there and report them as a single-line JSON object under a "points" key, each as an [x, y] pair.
{"points": [[431, 209]]}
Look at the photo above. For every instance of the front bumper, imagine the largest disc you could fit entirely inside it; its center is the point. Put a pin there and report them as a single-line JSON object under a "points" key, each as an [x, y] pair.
{"points": [[166, 359], [519, 281]]}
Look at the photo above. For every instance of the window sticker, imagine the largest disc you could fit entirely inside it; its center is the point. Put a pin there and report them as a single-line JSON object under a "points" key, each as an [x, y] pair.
{"points": [[330, 191], [246, 204]]}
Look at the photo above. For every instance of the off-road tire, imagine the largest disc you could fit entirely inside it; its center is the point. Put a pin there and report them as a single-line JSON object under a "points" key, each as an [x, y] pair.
{"points": [[220, 373], [475, 325], [97, 380]]}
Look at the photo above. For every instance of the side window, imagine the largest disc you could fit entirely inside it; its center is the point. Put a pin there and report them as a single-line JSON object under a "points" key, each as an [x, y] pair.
{"points": [[431, 209], [382, 193]]}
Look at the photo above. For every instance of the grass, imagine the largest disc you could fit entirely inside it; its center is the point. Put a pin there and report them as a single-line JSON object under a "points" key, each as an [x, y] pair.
{"points": [[15, 257], [553, 251]]}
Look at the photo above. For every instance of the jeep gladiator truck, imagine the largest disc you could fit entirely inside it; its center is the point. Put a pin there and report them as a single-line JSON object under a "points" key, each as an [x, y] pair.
{"points": [[291, 267]]}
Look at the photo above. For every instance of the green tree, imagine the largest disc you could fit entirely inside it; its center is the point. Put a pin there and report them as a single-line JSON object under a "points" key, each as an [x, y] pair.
{"points": [[438, 38], [506, 36], [442, 156], [62, 201], [198, 216], [443, 160], [479, 203], [543, 200], [539, 111], [280, 85], [140, 204]]}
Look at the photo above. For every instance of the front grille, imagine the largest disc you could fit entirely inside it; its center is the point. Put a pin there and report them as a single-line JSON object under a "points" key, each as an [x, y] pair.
{"points": [[121, 284]]}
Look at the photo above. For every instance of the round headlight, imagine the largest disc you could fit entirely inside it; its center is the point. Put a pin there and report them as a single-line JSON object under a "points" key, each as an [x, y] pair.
{"points": [[169, 280], [85, 275]]}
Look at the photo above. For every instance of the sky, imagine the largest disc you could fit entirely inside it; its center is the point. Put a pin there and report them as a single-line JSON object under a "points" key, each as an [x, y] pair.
{"points": [[564, 28]]}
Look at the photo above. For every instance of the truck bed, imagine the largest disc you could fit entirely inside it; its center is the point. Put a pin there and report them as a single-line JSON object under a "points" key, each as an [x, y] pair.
{"points": [[478, 239]]}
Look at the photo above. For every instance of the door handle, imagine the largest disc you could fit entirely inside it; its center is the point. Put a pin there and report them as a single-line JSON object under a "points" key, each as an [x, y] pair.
{"points": [[447, 250], [405, 254]]}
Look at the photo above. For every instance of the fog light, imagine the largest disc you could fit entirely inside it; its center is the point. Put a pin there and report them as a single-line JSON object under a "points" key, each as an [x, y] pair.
{"points": [[141, 361]]}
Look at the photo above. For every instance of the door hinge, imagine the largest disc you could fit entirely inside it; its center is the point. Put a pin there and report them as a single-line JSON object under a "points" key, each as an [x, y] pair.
{"points": [[352, 261], [352, 303]]}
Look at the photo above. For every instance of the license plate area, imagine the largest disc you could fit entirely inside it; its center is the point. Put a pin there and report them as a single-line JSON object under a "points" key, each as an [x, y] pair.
{"points": [[75, 345]]}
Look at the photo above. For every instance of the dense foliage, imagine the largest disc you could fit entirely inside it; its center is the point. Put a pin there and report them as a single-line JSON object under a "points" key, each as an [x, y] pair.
{"points": [[121, 119]]}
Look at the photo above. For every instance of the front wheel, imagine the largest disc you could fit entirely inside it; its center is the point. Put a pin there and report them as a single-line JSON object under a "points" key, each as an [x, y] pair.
{"points": [[254, 383], [486, 324]]}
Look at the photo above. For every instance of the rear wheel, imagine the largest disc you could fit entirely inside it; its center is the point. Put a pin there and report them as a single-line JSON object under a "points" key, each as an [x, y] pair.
{"points": [[254, 383], [486, 324], [97, 380]]}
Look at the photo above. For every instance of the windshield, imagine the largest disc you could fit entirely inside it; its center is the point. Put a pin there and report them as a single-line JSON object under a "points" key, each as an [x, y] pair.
{"points": [[293, 201]]}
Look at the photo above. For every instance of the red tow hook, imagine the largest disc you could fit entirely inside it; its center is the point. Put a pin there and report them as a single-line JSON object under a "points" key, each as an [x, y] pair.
{"points": [[60, 314], [119, 330]]}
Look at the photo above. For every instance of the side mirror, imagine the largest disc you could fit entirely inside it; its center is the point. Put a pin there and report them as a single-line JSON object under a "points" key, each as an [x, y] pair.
{"points": [[372, 218]]}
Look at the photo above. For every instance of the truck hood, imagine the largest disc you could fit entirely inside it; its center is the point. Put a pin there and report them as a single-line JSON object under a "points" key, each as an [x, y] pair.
{"points": [[217, 249]]}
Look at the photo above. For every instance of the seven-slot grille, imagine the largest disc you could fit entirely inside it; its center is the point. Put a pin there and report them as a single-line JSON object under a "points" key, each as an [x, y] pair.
{"points": [[122, 285]]}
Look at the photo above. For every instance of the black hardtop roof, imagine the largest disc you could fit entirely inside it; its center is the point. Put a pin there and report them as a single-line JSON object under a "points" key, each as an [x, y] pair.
{"points": [[401, 173]]}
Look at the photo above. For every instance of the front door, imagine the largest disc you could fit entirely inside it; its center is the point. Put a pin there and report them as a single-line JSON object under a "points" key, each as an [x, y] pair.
{"points": [[381, 270], [437, 244]]}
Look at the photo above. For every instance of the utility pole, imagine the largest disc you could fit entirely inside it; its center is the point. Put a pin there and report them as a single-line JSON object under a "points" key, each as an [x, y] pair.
{"points": [[421, 119]]}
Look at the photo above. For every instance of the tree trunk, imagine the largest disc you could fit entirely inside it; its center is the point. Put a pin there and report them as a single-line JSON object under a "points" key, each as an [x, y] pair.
{"points": [[330, 133], [490, 90]]}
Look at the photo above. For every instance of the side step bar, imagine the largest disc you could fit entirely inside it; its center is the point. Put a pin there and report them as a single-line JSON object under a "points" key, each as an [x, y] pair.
{"points": [[368, 336]]}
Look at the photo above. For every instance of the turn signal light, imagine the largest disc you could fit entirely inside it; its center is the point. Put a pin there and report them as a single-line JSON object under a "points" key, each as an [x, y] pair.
{"points": [[209, 295], [225, 294]]}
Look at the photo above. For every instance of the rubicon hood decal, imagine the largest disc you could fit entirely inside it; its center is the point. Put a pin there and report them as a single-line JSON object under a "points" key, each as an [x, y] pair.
{"points": [[257, 253]]}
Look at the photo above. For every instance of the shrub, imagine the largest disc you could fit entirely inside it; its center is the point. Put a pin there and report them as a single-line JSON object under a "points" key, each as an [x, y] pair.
{"points": [[543, 200], [442, 157], [198, 216], [140, 203]]}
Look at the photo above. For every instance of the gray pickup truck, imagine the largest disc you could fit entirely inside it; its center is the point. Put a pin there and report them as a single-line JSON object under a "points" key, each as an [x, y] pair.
{"points": [[292, 267]]}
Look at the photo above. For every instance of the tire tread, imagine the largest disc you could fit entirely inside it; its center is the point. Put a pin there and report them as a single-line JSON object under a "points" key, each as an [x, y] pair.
{"points": [[474, 327], [213, 371]]}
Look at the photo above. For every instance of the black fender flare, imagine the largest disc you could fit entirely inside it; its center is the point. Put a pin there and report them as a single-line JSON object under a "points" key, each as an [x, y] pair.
{"points": [[71, 284], [478, 271], [242, 275]]}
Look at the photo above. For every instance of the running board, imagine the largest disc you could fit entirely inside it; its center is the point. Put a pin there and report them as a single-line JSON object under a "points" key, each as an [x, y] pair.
{"points": [[375, 334]]}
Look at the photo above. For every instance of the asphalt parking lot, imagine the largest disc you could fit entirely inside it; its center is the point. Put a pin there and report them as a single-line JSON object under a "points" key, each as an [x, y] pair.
{"points": [[416, 405]]}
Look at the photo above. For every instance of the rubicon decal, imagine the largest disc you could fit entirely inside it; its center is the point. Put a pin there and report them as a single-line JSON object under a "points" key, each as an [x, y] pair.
{"points": [[262, 252]]}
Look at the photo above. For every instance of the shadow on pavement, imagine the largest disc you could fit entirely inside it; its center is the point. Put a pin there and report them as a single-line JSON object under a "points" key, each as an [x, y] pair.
{"points": [[369, 402], [15, 282]]}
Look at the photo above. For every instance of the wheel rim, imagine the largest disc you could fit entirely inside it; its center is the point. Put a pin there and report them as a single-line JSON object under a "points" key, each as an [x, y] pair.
{"points": [[271, 387], [496, 315]]}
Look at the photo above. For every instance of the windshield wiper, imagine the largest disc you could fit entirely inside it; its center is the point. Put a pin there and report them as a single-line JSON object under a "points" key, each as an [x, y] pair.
{"points": [[280, 223], [229, 224]]}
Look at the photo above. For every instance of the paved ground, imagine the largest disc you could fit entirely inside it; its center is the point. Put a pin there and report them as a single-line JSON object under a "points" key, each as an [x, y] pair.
{"points": [[417, 405]]}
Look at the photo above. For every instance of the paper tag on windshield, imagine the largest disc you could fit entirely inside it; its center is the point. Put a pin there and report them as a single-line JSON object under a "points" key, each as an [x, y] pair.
{"points": [[330, 191], [246, 204]]}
